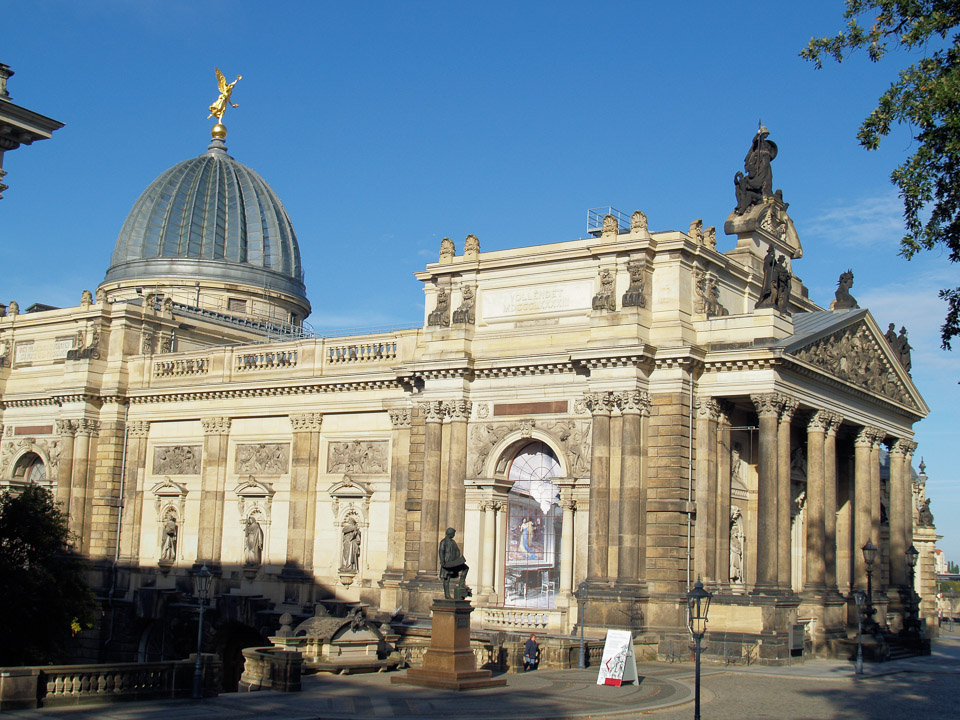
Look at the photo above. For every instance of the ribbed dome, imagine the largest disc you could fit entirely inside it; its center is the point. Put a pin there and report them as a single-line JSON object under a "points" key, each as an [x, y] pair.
{"points": [[210, 218]]}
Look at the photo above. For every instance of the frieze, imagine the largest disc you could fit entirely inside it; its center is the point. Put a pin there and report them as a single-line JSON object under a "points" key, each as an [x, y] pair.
{"points": [[177, 459], [263, 459], [360, 457], [854, 355]]}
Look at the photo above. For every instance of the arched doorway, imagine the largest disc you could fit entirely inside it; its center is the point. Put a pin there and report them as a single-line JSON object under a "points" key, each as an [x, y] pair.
{"points": [[534, 520]]}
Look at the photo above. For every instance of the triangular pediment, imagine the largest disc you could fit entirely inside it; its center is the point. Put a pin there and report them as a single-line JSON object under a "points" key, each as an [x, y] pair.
{"points": [[850, 347]]}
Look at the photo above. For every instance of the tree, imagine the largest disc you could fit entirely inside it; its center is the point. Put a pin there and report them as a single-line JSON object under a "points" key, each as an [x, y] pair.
{"points": [[926, 97], [45, 598]]}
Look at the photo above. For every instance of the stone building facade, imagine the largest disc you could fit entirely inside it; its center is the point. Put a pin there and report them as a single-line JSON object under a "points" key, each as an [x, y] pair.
{"points": [[616, 415]]}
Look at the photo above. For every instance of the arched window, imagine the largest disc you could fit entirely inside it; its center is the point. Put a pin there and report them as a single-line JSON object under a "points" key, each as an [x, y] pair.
{"points": [[534, 520], [30, 468]]}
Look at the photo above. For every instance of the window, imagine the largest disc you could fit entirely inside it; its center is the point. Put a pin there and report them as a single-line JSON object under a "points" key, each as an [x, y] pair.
{"points": [[236, 305]]}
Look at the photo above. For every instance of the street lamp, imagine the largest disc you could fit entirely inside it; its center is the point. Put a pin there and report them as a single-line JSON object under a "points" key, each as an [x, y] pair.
{"points": [[869, 557], [698, 605], [582, 604], [201, 583], [859, 597], [914, 611]]}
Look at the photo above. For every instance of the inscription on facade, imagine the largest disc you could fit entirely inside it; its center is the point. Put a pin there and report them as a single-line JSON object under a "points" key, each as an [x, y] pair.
{"points": [[177, 459], [358, 456], [263, 459], [554, 298]]}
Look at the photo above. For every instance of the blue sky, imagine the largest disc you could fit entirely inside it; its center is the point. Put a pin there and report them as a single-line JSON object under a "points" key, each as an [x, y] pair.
{"points": [[385, 126]]}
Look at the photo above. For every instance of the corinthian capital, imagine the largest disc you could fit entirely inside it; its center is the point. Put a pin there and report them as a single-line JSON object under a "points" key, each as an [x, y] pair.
{"points": [[400, 418], [634, 401], [819, 421], [767, 404], [306, 422], [64, 427], [707, 408], [600, 403], [458, 409], [790, 406], [215, 425], [138, 428], [433, 411]]}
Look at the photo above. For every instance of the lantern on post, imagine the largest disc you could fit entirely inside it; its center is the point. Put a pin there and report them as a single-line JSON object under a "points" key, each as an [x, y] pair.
{"points": [[698, 606], [869, 551], [201, 584]]}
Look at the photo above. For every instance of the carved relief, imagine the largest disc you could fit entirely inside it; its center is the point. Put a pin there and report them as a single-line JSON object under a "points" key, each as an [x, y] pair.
{"points": [[574, 436], [465, 314], [146, 341], [483, 410], [483, 438], [634, 296], [710, 237], [263, 459], [707, 289], [610, 226], [853, 354], [696, 231], [177, 459], [638, 222], [604, 300], [400, 418], [359, 457], [471, 247], [440, 315], [47, 449], [306, 422], [447, 250]]}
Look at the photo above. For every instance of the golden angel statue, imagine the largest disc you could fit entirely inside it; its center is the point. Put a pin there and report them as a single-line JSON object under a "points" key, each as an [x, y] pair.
{"points": [[226, 89]]}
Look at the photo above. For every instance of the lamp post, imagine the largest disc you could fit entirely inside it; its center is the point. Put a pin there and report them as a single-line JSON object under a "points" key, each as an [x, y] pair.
{"points": [[859, 597], [698, 605], [914, 611], [869, 557], [582, 604], [201, 582]]}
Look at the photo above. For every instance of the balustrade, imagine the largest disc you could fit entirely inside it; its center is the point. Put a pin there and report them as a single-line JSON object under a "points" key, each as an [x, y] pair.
{"points": [[181, 367]]}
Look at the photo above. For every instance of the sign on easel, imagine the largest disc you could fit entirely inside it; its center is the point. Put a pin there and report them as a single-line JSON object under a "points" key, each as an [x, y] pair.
{"points": [[618, 664]]}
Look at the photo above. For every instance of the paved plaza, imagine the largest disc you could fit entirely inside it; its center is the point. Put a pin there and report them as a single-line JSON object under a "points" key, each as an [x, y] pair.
{"points": [[915, 688]]}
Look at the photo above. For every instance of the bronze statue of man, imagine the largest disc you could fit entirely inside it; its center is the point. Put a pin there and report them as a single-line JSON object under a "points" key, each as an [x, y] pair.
{"points": [[453, 565]]}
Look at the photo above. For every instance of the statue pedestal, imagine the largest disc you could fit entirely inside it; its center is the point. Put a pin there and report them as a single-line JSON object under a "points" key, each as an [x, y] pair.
{"points": [[449, 663]]}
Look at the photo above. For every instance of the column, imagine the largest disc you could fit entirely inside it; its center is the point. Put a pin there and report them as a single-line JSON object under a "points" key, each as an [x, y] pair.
{"points": [[399, 483], [830, 501], [876, 441], [213, 481], [722, 518], [898, 559], [768, 410], [600, 405], [569, 505], [783, 494], [134, 467], [705, 549], [489, 558], [67, 430], [81, 495], [632, 406], [302, 517], [909, 447], [862, 522], [430, 503], [459, 413], [816, 501]]}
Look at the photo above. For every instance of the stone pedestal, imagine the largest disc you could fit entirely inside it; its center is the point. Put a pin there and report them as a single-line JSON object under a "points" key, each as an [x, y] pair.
{"points": [[450, 662]]}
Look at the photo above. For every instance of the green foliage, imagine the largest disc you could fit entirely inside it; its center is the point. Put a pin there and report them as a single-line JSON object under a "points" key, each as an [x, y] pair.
{"points": [[925, 97], [45, 598]]}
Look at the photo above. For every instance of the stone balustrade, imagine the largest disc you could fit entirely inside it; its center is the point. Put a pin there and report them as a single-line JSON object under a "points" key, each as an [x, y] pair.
{"points": [[57, 685], [266, 360], [363, 352], [181, 367]]}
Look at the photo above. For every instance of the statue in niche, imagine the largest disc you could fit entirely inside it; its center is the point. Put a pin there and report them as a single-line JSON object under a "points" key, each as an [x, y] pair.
{"points": [[168, 546], [440, 316], [736, 545], [350, 546], [252, 542], [757, 184], [453, 565], [844, 300], [737, 476], [925, 517]]}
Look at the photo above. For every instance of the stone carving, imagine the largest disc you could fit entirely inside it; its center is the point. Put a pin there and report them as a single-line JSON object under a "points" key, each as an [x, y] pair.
{"points": [[101, 296], [471, 247], [168, 305], [604, 300], [844, 300], [775, 291], [526, 427], [358, 457], [852, 354], [400, 418], [215, 425], [610, 226], [580, 406], [263, 459], [66, 427], [483, 438], [453, 565], [465, 314], [447, 250], [306, 422], [13, 309], [901, 347], [440, 315], [254, 498], [707, 289], [634, 297], [710, 237], [602, 403], [737, 539], [177, 459], [638, 222], [350, 546], [575, 439], [924, 516], [146, 341], [433, 411], [86, 299], [767, 404], [696, 231], [252, 542], [168, 545], [483, 410], [738, 468], [48, 450], [774, 222], [166, 343], [636, 401], [798, 463], [83, 350], [757, 184], [458, 409]]}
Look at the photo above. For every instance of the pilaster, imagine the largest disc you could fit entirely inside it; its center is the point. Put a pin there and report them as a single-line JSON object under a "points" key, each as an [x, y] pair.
{"points": [[213, 480], [304, 469], [705, 555]]}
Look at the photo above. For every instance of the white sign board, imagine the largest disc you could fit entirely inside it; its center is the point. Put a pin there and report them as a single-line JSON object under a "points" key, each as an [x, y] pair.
{"points": [[536, 300], [618, 664]]}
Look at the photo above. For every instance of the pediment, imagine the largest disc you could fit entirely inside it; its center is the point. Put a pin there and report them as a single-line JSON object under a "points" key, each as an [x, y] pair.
{"points": [[251, 487], [169, 488], [349, 488], [857, 353]]}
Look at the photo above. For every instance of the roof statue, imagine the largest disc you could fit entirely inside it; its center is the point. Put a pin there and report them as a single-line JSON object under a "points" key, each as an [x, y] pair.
{"points": [[219, 106], [757, 184]]}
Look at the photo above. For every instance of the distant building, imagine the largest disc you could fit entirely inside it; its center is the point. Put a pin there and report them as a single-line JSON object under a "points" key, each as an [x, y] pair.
{"points": [[622, 413]]}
